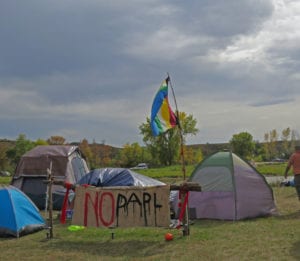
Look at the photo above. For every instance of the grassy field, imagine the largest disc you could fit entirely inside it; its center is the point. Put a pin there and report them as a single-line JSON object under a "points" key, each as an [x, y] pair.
{"points": [[175, 172], [269, 238]]}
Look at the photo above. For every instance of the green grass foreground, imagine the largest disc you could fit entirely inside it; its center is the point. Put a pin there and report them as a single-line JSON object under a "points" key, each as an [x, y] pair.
{"points": [[270, 238]]}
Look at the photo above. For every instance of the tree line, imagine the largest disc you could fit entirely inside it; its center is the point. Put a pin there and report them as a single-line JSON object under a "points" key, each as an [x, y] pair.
{"points": [[276, 145], [164, 150]]}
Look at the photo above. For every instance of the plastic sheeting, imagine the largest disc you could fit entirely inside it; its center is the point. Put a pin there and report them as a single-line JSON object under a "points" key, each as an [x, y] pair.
{"points": [[107, 177]]}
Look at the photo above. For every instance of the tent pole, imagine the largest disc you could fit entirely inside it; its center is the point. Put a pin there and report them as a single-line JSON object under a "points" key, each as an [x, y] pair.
{"points": [[50, 180]]}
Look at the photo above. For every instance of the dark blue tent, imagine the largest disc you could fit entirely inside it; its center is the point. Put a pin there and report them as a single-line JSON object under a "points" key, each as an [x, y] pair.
{"points": [[18, 214], [109, 177]]}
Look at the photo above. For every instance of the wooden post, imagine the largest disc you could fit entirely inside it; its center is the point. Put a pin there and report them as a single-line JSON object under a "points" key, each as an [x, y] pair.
{"points": [[50, 203], [185, 220], [184, 189], [186, 186]]}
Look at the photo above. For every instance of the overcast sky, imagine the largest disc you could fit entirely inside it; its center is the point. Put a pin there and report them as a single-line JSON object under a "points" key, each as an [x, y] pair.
{"points": [[90, 68]]}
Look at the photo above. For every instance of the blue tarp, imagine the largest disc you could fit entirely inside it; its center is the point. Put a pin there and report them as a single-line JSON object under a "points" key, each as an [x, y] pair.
{"points": [[107, 177], [18, 214], [288, 183]]}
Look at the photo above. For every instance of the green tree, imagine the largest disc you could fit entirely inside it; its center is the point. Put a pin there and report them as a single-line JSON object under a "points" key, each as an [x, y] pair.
{"points": [[267, 146], [132, 154], [259, 151], [86, 151], [4, 163], [105, 155], [56, 140], [95, 161], [270, 145], [273, 143], [285, 137], [41, 142], [164, 149], [22, 146], [243, 144], [191, 155], [294, 139]]}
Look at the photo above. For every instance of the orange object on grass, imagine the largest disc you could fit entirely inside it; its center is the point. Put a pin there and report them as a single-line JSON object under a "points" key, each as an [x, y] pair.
{"points": [[169, 236]]}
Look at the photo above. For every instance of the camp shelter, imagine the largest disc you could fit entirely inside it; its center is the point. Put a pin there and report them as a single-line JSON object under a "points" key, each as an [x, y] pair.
{"points": [[109, 177], [66, 163], [18, 214], [231, 190]]}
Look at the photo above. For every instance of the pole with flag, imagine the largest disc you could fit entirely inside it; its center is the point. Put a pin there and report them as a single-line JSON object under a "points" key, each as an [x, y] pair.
{"points": [[162, 116], [163, 119], [180, 132]]}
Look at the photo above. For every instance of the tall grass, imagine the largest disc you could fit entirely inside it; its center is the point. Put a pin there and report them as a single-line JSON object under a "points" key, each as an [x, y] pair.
{"points": [[5, 180], [275, 169]]}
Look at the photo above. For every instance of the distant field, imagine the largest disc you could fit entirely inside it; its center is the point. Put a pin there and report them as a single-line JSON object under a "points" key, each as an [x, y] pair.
{"points": [[174, 173], [276, 169]]}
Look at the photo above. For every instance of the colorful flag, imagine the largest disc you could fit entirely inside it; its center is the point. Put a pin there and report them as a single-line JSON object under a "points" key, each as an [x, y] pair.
{"points": [[162, 116]]}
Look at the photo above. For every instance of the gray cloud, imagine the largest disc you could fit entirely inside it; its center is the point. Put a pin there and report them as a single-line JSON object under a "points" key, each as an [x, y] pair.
{"points": [[90, 69], [271, 102]]}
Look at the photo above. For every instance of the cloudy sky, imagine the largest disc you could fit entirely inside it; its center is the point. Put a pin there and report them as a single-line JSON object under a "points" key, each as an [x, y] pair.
{"points": [[90, 68]]}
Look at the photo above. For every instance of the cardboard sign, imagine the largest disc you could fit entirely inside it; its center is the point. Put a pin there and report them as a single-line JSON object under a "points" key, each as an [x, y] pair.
{"points": [[122, 206]]}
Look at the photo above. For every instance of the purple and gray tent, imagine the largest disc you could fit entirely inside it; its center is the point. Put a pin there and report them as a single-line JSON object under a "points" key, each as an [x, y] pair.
{"points": [[67, 164], [231, 190]]}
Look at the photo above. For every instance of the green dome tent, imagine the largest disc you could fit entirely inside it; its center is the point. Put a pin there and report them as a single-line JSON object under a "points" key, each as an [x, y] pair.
{"points": [[231, 190]]}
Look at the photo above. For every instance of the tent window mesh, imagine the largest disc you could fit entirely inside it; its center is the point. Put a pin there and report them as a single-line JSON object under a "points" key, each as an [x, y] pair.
{"points": [[78, 168]]}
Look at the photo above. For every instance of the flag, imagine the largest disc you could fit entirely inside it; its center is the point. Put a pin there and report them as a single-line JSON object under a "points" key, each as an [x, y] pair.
{"points": [[162, 116]]}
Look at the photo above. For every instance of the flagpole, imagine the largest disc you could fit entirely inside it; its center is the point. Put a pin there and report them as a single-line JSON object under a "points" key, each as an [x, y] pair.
{"points": [[180, 130], [184, 193]]}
